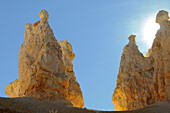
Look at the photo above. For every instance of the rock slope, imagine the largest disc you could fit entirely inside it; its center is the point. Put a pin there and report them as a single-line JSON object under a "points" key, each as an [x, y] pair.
{"points": [[45, 67], [144, 80], [30, 105]]}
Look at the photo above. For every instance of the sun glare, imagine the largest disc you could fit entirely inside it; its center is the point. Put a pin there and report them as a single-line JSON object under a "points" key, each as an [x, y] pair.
{"points": [[149, 31]]}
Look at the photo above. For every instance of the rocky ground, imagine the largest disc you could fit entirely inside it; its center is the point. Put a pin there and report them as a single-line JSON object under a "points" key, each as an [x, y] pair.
{"points": [[30, 105]]}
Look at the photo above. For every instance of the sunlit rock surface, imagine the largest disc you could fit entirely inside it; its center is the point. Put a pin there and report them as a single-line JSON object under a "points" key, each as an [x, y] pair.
{"points": [[45, 67], [145, 80], [74, 91]]}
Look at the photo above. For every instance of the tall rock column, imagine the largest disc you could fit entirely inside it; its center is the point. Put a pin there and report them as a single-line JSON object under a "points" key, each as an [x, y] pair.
{"points": [[145, 80], [134, 79], [160, 51], [42, 66]]}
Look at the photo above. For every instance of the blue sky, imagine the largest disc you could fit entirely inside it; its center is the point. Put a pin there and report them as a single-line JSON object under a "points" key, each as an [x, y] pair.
{"points": [[97, 29]]}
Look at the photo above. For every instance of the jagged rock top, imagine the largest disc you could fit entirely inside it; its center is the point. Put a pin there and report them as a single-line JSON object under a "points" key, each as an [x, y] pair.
{"points": [[132, 39], [44, 15], [162, 16]]}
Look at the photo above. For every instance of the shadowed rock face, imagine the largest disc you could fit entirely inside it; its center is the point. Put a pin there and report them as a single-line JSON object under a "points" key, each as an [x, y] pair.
{"points": [[45, 67], [144, 80], [29, 105]]}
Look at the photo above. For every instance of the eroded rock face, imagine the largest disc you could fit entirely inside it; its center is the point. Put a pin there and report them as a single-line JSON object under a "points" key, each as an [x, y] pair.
{"points": [[144, 80], [74, 91], [44, 66]]}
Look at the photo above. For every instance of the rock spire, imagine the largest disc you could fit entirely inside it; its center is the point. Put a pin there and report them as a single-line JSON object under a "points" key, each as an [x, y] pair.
{"points": [[145, 80], [45, 67]]}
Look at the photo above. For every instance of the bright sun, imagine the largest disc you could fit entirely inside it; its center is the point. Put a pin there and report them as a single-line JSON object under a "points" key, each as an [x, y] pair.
{"points": [[149, 30]]}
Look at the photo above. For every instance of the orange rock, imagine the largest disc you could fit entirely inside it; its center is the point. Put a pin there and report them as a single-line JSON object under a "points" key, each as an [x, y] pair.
{"points": [[45, 67], [74, 91], [144, 80]]}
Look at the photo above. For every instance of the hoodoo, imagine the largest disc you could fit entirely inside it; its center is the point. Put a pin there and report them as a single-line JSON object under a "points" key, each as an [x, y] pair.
{"points": [[145, 80], [45, 67]]}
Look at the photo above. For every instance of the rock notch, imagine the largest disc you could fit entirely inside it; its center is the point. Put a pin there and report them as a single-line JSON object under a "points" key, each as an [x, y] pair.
{"points": [[145, 80], [45, 67]]}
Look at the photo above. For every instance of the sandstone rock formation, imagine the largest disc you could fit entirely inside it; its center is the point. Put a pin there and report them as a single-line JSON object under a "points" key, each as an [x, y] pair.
{"points": [[74, 91], [45, 67], [144, 80]]}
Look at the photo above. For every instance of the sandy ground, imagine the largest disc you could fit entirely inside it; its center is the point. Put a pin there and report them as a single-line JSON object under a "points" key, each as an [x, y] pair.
{"points": [[29, 105]]}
